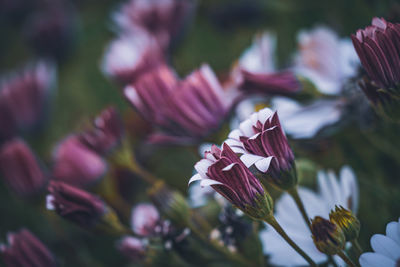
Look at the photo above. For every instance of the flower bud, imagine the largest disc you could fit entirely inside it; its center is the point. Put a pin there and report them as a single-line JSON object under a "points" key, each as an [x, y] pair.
{"points": [[327, 236], [132, 247], [24, 249], [145, 219], [171, 203], [82, 208], [347, 221], [21, 169], [76, 164]]}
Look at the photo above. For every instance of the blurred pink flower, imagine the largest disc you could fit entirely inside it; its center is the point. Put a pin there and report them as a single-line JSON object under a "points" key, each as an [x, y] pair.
{"points": [[132, 247], [21, 169], [106, 133], [256, 71], [23, 98], [77, 164], [145, 219], [186, 110], [129, 57], [24, 249]]}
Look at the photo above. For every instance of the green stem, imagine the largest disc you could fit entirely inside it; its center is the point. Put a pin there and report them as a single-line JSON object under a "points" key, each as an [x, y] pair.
{"points": [[356, 246], [332, 261], [296, 197], [346, 259], [272, 221]]}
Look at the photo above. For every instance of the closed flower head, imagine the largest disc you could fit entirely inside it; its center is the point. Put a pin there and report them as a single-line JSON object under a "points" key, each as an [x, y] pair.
{"points": [[75, 163], [327, 236], [264, 145], [145, 219], [378, 47], [75, 205], [226, 174], [347, 221], [24, 249], [106, 133], [21, 169]]}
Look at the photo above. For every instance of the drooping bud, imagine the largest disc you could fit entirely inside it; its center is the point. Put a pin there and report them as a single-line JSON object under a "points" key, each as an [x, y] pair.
{"points": [[82, 208], [170, 203], [24, 249], [347, 221], [20, 168], [328, 237]]}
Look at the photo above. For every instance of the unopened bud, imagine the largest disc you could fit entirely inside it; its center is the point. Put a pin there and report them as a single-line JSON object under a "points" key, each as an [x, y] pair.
{"points": [[347, 221], [327, 236]]}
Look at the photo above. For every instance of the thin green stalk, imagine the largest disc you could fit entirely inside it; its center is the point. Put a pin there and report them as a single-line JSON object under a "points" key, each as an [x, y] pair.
{"points": [[296, 197], [357, 248], [346, 259], [272, 221]]}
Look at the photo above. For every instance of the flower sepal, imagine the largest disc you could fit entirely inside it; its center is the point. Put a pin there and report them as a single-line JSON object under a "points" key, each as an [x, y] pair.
{"points": [[327, 236], [347, 221], [284, 180], [263, 207]]}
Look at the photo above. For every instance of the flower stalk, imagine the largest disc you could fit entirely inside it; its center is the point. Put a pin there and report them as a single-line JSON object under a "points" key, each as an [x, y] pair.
{"points": [[272, 221], [294, 193], [346, 259]]}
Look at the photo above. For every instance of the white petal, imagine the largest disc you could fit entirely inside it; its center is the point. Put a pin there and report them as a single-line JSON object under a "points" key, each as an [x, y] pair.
{"points": [[255, 136], [202, 167], [385, 246], [247, 128], [370, 259], [229, 167], [250, 159], [263, 165], [49, 202], [194, 178], [208, 182], [392, 231], [235, 134], [349, 186], [238, 150], [264, 114], [233, 142]]}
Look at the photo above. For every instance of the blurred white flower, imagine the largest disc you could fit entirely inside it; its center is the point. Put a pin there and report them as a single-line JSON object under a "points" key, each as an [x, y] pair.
{"points": [[260, 56], [305, 121], [325, 59], [386, 248], [332, 192]]}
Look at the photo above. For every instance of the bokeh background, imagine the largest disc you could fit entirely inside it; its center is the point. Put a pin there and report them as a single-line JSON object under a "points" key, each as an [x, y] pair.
{"points": [[217, 34]]}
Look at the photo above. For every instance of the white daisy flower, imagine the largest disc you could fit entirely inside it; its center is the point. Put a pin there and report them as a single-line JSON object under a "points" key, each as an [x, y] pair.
{"points": [[386, 248], [331, 192], [325, 59]]}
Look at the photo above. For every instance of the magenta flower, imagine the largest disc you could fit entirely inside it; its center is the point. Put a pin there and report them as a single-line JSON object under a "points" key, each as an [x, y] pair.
{"points": [[185, 111], [263, 144], [129, 57], [24, 249], [257, 71], [132, 247], [106, 133], [145, 220], [378, 47], [75, 205], [226, 174], [23, 98], [160, 18], [21, 169], [77, 164]]}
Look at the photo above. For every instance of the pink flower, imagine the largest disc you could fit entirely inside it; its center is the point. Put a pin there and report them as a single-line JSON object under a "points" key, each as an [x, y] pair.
{"points": [[226, 174], [145, 219], [74, 204], [24, 249], [77, 164], [132, 247], [263, 144], [21, 169], [23, 98], [378, 47], [106, 133], [160, 18], [185, 111]]}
